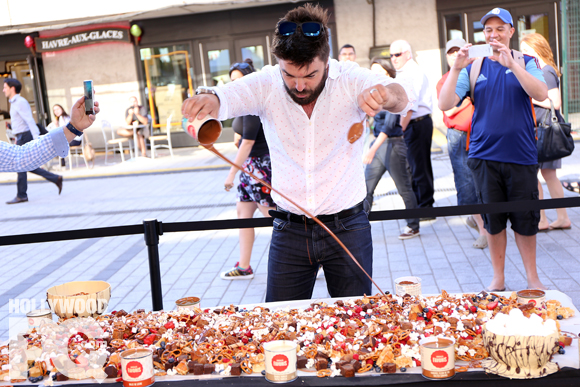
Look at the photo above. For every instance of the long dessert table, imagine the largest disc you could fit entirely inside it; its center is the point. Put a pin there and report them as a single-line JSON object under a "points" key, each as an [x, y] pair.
{"points": [[568, 375]]}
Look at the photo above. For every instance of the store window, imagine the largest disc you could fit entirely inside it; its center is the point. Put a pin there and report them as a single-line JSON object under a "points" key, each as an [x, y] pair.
{"points": [[219, 66], [529, 24], [453, 28], [166, 71], [256, 54], [478, 35]]}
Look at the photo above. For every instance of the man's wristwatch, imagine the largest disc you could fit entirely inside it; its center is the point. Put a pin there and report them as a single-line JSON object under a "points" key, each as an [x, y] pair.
{"points": [[205, 90], [73, 130]]}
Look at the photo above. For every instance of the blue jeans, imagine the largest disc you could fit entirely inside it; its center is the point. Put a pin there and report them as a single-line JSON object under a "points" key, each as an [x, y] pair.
{"points": [[464, 184], [296, 251], [392, 156]]}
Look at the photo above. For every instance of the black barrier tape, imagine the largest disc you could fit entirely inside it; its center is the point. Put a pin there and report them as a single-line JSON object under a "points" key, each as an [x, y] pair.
{"points": [[206, 225]]}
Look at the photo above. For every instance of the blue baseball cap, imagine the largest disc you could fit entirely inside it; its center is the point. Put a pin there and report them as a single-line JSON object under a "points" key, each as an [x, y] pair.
{"points": [[503, 14]]}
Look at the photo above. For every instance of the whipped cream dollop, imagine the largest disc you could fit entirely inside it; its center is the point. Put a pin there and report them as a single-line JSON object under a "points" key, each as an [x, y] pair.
{"points": [[516, 324]]}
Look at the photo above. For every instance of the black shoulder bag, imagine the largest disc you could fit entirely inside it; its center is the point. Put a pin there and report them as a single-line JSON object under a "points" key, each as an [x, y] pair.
{"points": [[554, 138]]}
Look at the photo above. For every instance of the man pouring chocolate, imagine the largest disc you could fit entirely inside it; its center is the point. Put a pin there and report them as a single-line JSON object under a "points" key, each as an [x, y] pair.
{"points": [[307, 104]]}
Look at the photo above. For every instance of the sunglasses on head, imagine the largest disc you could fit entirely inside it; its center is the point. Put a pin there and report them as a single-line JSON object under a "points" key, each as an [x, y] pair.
{"points": [[397, 54], [309, 29]]}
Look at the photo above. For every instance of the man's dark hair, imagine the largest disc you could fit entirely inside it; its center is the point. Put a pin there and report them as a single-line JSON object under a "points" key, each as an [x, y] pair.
{"points": [[298, 49], [15, 83], [347, 46]]}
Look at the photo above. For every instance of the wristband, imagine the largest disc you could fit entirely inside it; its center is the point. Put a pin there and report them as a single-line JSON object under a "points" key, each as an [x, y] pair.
{"points": [[73, 130]]}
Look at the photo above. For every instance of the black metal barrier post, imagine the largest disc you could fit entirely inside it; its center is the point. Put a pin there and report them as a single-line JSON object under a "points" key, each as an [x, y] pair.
{"points": [[152, 231]]}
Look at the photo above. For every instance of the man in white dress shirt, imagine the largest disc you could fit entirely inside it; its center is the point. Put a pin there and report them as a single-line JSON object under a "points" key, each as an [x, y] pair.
{"points": [[418, 126], [307, 104]]}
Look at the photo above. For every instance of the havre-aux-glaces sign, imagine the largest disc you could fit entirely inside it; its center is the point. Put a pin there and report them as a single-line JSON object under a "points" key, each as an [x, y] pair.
{"points": [[100, 35]]}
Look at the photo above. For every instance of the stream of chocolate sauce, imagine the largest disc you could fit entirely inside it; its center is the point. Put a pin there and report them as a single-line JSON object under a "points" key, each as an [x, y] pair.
{"points": [[209, 133]]}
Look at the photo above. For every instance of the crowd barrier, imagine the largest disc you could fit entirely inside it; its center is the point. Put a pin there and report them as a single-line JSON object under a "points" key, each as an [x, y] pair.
{"points": [[152, 228]]}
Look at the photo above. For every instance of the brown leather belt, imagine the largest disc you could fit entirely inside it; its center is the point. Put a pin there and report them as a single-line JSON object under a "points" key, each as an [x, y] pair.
{"points": [[285, 215], [419, 118]]}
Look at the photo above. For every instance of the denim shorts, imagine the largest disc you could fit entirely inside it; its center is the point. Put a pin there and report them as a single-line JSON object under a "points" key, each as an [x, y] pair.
{"points": [[506, 182], [297, 250]]}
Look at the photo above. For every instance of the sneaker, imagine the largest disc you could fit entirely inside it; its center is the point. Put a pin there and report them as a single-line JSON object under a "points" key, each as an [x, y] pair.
{"points": [[238, 274], [409, 233]]}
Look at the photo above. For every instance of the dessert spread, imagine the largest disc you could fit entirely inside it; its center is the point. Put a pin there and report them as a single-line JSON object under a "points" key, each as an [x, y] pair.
{"points": [[377, 334]]}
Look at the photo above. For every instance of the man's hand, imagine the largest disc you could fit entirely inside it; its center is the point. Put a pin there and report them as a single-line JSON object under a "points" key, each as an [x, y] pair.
{"points": [[78, 118], [502, 55], [130, 112], [200, 106], [463, 59], [372, 100]]}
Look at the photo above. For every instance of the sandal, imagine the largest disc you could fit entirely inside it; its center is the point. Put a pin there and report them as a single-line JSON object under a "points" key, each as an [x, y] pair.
{"points": [[573, 186], [471, 223], [480, 242]]}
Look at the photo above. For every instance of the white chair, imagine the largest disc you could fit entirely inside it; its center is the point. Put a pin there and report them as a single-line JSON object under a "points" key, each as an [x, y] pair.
{"points": [[114, 142], [76, 150], [162, 137]]}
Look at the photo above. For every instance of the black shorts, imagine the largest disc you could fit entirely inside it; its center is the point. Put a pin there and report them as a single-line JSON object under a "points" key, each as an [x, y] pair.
{"points": [[506, 182]]}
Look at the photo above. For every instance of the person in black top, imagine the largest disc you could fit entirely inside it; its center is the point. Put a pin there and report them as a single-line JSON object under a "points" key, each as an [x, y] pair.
{"points": [[138, 113], [388, 152], [253, 152], [536, 45]]}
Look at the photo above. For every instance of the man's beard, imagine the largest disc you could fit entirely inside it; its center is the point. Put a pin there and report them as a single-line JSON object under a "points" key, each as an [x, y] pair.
{"points": [[311, 97]]}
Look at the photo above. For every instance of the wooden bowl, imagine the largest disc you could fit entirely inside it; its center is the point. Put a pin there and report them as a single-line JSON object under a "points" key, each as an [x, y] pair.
{"points": [[79, 298]]}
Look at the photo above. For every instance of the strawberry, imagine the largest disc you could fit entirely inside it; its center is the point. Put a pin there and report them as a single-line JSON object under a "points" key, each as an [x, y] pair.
{"points": [[355, 356], [492, 305], [169, 325], [473, 309]]}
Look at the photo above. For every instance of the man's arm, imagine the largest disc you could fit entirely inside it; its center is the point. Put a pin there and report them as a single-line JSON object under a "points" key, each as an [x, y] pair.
{"points": [[142, 118], [129, 116], [534, 86], [392, 98], [448, 97]]}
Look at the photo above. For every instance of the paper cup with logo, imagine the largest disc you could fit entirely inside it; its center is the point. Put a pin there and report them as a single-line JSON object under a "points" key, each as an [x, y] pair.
{"points": [[437, 357], [534, 296], [280, 361], [35, 317], [408, 285], [206, 131], [137, 367], [187, 303]]}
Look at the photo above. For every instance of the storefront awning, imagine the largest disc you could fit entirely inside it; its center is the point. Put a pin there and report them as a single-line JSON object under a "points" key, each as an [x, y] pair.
{"points": [[185, 8]]}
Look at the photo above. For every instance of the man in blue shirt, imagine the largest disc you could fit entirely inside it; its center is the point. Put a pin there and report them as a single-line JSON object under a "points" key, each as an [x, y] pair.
{"points": [[502, 152], [25, 130], [14, 158]]}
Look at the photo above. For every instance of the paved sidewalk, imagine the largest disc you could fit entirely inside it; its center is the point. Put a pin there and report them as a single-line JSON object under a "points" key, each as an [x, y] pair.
{"points": [[190, 188]]}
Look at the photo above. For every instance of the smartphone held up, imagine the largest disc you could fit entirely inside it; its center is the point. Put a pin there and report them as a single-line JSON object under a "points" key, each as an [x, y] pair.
{"points": [[89, 97], [480, 51]]}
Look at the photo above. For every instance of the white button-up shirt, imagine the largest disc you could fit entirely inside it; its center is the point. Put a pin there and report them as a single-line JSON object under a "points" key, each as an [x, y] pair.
{"points": [[21, 118], [312, 161], [411, 72]]}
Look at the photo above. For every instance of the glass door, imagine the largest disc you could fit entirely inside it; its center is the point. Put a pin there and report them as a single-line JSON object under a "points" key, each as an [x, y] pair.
{"points": [[216, 59], [541, 19], [255, 48], [169, 83]]}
